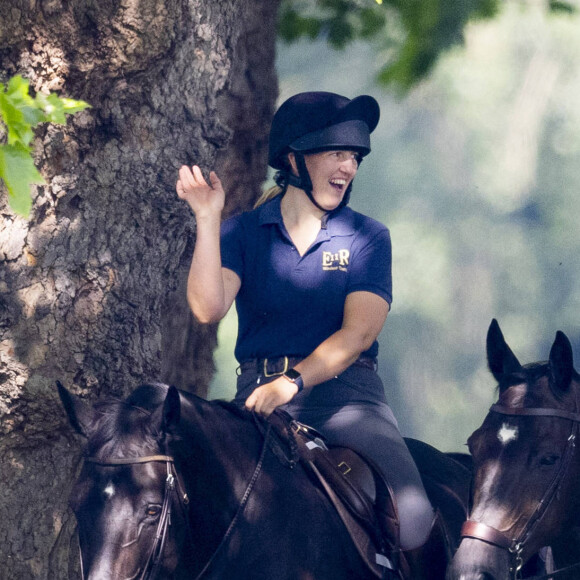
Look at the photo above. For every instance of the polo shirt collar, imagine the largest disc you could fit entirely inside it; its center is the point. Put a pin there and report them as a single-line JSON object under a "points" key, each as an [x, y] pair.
{"points": [[270, 212], [337, 223]]}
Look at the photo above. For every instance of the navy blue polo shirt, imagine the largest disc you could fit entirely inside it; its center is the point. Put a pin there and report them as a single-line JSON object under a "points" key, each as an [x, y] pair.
{"points": [[288, 304]]}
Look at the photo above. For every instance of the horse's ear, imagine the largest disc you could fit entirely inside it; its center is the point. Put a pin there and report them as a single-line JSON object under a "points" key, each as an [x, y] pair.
{"points": [[561, 362], [500, 358], [80, 415], [171, 410]]}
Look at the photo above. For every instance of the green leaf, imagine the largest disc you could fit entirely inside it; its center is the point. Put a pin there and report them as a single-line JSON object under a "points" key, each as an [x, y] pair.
{"points": [[563, 7], [372, 22], [19, 112], [416, 31], [18, 99], [71, 106], [340, 32], [19, 129], [18, 92], [18, 172], [55, 107], [292, 26]]}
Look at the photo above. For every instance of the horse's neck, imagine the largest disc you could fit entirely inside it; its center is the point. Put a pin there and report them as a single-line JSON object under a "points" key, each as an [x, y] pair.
{"points": [[217, 455], [216, 437]]}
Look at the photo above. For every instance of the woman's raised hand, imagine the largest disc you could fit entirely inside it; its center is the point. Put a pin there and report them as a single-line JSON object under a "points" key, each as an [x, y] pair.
{"points": [[203, 198]]}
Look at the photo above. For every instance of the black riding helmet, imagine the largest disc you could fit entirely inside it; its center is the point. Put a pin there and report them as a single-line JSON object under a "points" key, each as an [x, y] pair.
{"points": [[318, 121]]}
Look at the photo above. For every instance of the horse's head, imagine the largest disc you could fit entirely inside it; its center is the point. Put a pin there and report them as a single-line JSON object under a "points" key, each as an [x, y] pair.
{"points": [[126, 487], [524, 460]]}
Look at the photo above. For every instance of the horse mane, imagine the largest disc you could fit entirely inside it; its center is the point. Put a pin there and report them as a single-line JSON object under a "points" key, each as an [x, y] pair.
{"points": [[236, 409], [148, 396], [123, 428], [527, 373]]}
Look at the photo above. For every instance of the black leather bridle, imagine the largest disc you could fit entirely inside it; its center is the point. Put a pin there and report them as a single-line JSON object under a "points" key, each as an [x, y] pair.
{"points": [[515, 546], [172, 487]]}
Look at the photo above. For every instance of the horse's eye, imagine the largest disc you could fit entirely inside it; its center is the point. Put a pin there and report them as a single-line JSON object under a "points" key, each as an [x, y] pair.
{"points": [[549, 459], [153, 510]]}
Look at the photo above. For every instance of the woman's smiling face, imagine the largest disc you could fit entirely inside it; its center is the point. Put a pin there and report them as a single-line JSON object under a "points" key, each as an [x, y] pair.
{"points": [[331, 172]]}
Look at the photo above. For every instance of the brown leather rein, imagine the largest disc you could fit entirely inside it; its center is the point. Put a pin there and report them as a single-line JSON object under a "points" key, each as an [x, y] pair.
{"points": [[489, 534]]}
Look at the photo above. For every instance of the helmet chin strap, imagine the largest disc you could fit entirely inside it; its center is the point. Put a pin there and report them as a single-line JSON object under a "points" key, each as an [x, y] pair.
{"points": [[302, 181]]}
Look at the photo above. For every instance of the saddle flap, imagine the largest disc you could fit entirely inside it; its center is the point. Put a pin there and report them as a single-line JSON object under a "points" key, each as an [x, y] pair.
{"points": [[356, 483], [355, 470], [359, 493]]}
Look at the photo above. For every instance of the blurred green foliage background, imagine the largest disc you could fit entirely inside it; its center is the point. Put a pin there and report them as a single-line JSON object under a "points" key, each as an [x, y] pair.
{"points": [[475, 171]]}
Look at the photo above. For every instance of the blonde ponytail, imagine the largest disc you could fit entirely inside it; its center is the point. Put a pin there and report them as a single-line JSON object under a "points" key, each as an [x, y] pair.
{"points": [[269, 194]]}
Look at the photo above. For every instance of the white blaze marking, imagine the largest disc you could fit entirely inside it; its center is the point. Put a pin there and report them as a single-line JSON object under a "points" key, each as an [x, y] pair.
{"points": [[109, 491], [507, 433]]}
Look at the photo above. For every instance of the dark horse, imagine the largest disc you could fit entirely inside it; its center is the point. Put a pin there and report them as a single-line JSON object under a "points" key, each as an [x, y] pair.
{"points": [[173, 486], [527, 468]]}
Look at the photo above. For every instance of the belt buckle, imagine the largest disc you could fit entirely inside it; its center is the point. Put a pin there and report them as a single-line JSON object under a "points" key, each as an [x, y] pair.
{"points": [[267, 374]]}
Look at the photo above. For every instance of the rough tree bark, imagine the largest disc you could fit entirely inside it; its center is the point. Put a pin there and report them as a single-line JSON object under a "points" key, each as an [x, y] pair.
{"points": [[91, 287]]}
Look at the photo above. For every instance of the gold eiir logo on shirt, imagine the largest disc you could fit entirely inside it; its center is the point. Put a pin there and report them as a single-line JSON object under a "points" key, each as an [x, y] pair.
{"points": [[335, 261]]}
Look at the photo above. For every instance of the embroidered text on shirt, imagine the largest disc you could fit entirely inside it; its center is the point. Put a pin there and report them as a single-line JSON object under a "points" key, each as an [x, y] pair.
{"points": [[335, 261]]}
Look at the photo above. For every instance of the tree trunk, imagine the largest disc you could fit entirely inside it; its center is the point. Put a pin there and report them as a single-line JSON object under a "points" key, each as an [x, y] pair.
{"points": [[91, 288]]}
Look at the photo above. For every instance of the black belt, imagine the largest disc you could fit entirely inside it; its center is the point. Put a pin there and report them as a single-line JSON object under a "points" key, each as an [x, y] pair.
{"points": [[268, 367]]}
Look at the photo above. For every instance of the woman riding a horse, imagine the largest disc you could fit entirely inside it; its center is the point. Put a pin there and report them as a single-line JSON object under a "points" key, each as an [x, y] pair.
{"points": [[311, 279]]}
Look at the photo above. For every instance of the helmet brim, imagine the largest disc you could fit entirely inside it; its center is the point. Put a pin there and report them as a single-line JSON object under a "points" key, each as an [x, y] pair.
{"points": [[351, 135]]}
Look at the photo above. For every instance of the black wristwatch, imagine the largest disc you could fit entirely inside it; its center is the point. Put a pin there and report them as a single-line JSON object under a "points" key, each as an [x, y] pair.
{"points": [[294, 377]]}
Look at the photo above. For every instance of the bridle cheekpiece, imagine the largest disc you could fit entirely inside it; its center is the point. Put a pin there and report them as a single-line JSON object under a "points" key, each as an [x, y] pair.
{"points": [[172, 487]]}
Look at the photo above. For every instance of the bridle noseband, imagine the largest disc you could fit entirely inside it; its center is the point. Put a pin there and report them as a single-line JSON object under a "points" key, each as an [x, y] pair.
{"points": [[172, 486], [515, 546]]}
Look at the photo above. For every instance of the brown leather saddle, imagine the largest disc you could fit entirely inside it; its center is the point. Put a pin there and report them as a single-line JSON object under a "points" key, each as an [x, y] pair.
{"points": [[365, 502], [359, 493]]}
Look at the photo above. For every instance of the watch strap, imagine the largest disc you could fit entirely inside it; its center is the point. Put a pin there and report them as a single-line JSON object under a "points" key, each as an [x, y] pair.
{"points": [[294, 377]]}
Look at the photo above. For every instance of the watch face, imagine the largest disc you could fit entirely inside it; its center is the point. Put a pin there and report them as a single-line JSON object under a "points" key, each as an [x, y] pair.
{"points": [[292, 374]]}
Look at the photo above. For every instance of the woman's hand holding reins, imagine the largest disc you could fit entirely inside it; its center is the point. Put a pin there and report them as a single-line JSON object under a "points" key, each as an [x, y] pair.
{"points": [[266, 398], [204, 199]]}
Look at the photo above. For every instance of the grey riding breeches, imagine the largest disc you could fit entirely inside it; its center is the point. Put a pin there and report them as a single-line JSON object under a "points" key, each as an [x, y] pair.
{"points": [[351, 411]]}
